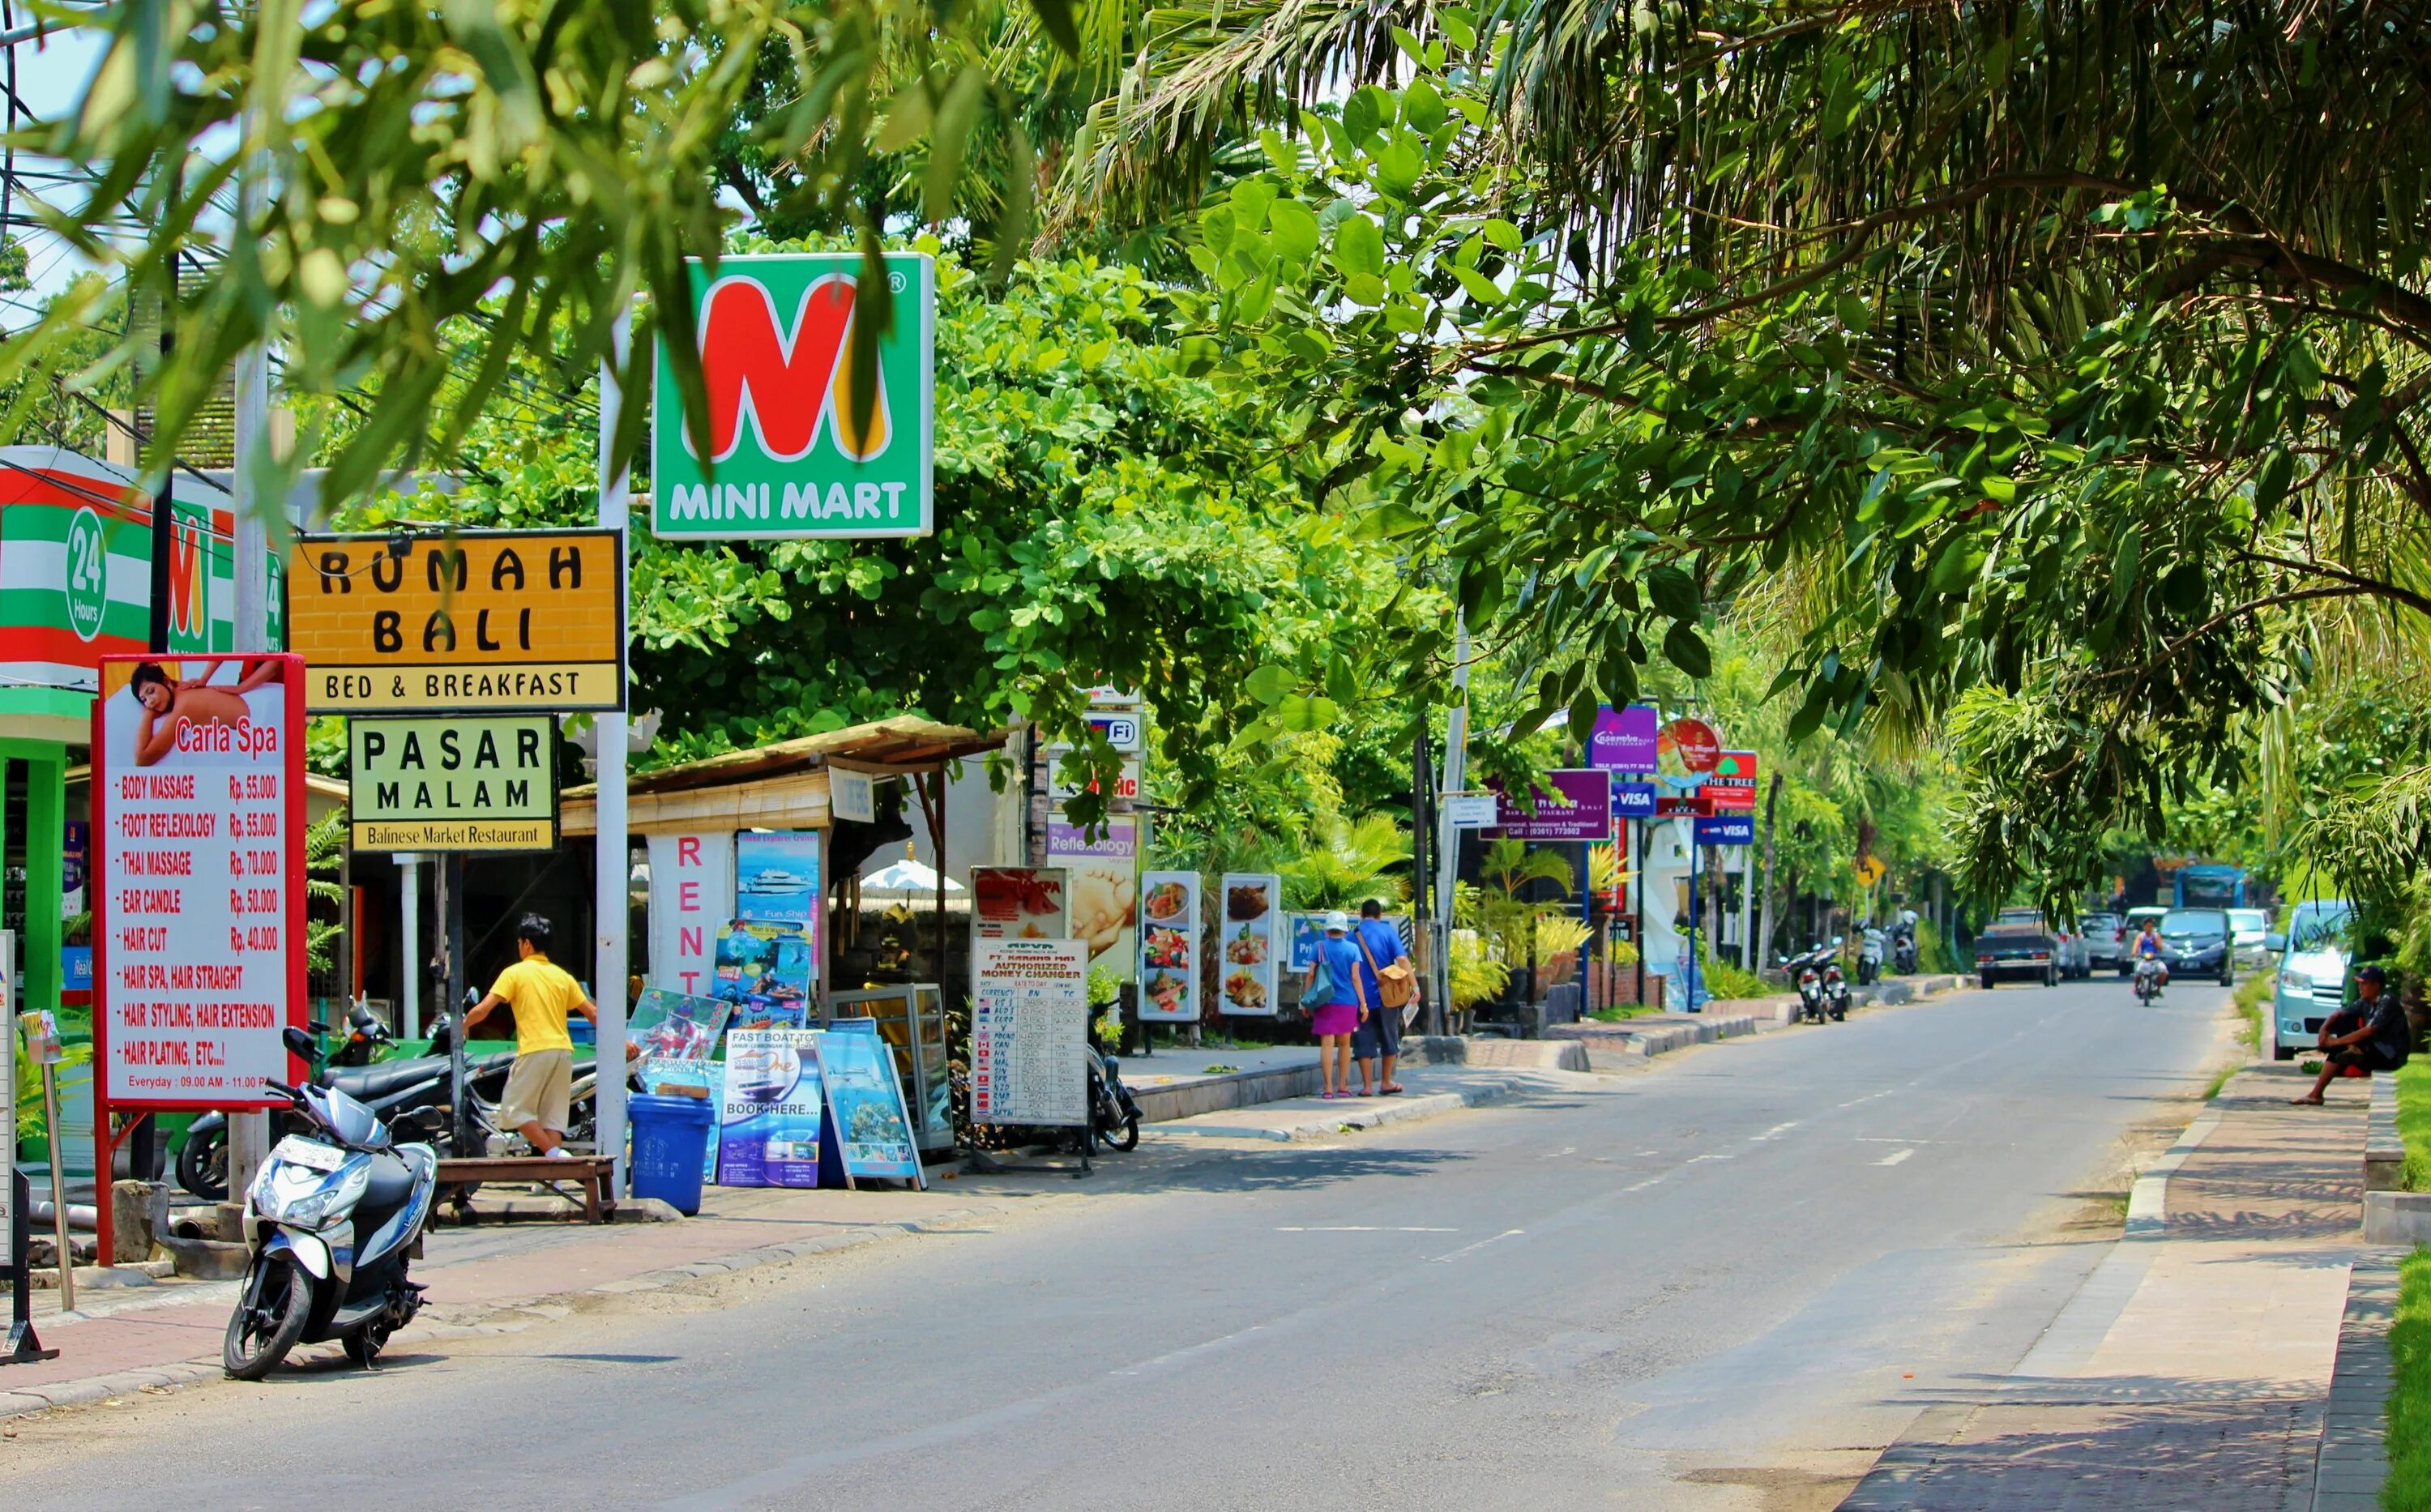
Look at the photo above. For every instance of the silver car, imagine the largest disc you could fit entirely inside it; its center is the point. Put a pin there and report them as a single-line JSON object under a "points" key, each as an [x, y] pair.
{"points": [[2248, 928]]}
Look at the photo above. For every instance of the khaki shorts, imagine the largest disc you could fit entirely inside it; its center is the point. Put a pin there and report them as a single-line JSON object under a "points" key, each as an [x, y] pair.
{"points": [[539, 1090]]}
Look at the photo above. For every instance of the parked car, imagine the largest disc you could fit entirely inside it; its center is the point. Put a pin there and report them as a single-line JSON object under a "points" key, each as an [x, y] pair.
{"points": [[2015, 945], [2195, 942], [2106, 941], [2071, 954], [2312, 974], [2249, 933]]}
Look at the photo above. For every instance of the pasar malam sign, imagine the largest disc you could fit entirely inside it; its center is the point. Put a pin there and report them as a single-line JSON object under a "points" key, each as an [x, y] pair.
{"points": [[198, 877], [477, 621], [784, 450], [458, 783]]}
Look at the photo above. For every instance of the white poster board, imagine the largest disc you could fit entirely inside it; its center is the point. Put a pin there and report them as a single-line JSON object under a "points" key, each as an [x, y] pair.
{"points": [[1172, 941], [1030, 1021], [199, 804], [692, 893], [1249, 936]]}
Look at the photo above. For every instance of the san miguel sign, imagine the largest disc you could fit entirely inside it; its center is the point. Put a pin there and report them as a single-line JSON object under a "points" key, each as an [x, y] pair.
{"points": [[785, 458]]}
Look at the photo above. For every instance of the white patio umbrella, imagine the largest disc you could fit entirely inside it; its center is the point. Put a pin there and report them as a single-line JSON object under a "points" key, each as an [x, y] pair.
{"points": [[904, 881]]}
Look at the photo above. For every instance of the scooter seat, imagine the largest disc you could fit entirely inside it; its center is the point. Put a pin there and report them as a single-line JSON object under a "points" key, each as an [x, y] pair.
{"points": [[391, 1188], [370, 1084]]}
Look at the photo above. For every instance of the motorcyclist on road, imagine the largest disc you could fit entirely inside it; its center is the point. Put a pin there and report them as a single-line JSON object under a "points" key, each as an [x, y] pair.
{"points": [[2149, 948]]}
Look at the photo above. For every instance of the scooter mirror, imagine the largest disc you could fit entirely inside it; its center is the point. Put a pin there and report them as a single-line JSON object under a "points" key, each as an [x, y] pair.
{"points": [[1840, 940], [299, 1044]]}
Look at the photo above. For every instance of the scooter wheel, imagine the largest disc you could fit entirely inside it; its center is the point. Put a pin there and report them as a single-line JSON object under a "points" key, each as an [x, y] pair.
{"points": [[202, 1165], [268, 1320], [1129, 1139]]}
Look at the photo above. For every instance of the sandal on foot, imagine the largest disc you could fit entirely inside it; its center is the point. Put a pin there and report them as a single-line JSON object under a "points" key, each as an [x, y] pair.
{"points": [[1391, 1087], [2305, 1102]]}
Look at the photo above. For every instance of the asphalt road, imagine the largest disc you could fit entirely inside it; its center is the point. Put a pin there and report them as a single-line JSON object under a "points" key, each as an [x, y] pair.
{"points": [[1726, 1281]]}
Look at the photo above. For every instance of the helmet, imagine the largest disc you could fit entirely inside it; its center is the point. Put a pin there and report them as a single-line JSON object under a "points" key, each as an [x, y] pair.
{"points": [[1338, 922]]}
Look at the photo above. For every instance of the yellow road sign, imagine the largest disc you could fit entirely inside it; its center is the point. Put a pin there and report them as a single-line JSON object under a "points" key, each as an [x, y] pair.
{"points": [[1870, 870], [479, 621]]}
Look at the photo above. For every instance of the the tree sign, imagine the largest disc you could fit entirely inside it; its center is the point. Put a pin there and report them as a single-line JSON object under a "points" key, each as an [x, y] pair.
{"points": [[480, 621], [784, 456], [454, 785]]}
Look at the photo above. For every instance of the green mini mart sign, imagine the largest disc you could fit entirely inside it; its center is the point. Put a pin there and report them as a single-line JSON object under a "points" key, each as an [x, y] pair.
{"points": [[785, 460]]}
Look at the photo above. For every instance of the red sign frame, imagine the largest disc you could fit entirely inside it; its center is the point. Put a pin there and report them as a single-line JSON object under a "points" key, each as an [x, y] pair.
{"points": [[291, 841]]}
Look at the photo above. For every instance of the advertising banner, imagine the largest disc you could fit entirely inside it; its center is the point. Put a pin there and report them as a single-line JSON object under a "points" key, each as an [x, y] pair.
{"points": [[1731, 786], [1624, 740], [1577, 806], [1633, 800], [764, 971], [770, 1109], [1030, 1023], [1019, 903], [865, 1104], [777, 877], [1103, 891], [1688, 745], [1170, 944], [1728, 830], [1307, 934], [692, 896], [675, 1026], [458, 783], [1252, 922], [495, 621], [198, 807], [790, 459], [1469, 811]]}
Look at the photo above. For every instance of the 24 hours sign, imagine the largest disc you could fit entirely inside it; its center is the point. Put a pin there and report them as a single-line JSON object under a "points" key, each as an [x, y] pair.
{"points": [[198, 835], [503, 621]]}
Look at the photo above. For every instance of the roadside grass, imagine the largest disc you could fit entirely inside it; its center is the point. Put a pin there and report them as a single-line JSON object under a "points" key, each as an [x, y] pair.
{"points": [[1620, 1011], [2253, 995], [2408, 1487], [2414, 1121]]}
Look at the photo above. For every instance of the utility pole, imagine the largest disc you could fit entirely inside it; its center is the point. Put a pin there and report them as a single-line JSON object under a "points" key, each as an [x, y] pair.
{"points": [[613, 911], [1455, 779], [249, 1133], [1422, 875], [1763, 942]]}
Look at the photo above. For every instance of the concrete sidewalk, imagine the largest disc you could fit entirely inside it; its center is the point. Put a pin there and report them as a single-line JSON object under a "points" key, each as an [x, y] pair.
{"points": [[169, 1335], [2192, 1368]]}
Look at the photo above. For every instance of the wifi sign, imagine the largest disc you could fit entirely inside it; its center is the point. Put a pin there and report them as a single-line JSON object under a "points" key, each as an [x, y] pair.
{"points": [[788, 447]]}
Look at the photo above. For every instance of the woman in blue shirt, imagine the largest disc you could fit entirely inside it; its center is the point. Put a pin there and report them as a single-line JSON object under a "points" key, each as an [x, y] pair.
{"points": [[1335, 1011]]}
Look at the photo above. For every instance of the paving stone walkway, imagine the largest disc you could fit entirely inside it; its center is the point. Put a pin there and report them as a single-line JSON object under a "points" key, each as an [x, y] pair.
{"points": [[2192, 1368]]}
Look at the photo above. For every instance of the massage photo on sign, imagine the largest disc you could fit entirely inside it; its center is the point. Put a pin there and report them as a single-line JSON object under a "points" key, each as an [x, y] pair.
{"points": [[189, 705]]}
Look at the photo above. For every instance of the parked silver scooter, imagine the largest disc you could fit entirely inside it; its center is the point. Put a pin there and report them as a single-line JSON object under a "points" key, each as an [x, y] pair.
{"points": [[334, 1217]]}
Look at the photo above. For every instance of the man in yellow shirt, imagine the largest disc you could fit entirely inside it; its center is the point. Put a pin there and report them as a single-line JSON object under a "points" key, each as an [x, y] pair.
{"points": [[541, 1086]]}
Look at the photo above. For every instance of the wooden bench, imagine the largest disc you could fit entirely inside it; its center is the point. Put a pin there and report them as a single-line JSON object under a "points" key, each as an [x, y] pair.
{"points": [[592, 1171]]}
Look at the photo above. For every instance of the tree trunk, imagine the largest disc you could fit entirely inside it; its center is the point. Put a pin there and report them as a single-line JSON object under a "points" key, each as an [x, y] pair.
{"points": [[1761, 947]]}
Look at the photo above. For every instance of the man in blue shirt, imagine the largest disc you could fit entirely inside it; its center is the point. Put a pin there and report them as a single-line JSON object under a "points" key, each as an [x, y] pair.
{"points": [[1379, 1035]]}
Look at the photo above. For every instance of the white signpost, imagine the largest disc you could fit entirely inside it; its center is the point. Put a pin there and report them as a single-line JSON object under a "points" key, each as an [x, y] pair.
{"points": [[198, 808], [1029, 1022]]}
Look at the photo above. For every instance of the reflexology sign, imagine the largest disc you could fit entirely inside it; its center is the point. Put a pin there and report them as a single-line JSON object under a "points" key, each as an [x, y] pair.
{"points": [[788, 452]]}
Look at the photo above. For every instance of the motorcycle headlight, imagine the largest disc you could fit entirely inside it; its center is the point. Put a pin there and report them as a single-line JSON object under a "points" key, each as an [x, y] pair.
{"points": [[307, 1198]]}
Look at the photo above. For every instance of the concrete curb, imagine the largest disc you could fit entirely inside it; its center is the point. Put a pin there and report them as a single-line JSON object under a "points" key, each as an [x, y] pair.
{"points": [[2354, 1458], [1640, 1039], [2384, 1149], [1234, 1089], [1325, 1125], [2148, 1200], [22, 1401]]}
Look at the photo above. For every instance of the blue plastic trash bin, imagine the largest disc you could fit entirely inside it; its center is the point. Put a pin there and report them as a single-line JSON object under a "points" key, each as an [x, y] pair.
{"points": [[670, 1148]]}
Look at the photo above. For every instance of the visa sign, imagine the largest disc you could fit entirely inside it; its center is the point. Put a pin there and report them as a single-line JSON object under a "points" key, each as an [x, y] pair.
{"points": [[785, 459]]}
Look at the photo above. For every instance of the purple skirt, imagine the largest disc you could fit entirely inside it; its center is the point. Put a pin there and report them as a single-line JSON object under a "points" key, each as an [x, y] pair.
{"points": [[1334, 1018]]}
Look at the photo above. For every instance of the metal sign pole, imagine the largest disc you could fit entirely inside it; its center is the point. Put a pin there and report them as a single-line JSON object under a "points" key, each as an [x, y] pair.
{"points": [[613, 909], [59, 1185]]}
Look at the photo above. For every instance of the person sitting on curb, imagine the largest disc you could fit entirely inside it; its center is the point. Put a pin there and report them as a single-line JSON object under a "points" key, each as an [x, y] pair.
{"points": [[2373, 1034], [539, 1089]]}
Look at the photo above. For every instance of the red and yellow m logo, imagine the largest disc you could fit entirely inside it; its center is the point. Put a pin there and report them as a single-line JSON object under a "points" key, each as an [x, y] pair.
{"points": [[189, 603], [787, 385]]}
